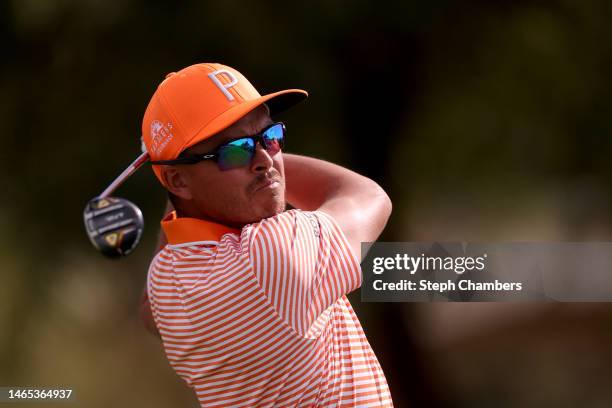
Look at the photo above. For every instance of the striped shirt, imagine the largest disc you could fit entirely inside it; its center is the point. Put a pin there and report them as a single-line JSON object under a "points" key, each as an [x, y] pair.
{"points": [[258, 317]]}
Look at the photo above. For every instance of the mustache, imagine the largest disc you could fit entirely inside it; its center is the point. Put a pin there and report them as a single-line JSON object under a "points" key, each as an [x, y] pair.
{"points": [[265, 178]]}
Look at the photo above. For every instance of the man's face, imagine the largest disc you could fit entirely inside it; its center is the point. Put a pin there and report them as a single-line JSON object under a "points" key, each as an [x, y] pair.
{"points": [[232, 197]]}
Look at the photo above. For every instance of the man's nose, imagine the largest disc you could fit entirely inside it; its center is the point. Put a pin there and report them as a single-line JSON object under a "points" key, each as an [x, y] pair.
{"points": [[262, 161]]}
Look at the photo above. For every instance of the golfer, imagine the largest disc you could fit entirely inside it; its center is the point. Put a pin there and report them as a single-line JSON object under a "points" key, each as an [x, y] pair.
{"points": [[249, 298]]}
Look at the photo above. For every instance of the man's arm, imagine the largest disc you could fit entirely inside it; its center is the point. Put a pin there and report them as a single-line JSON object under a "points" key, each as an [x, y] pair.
{"points": [[359, 205], [145, 308], [145, 314]]}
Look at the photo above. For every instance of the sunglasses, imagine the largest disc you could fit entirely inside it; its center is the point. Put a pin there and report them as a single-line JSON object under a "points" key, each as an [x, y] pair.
{"points": [[237, 152]]}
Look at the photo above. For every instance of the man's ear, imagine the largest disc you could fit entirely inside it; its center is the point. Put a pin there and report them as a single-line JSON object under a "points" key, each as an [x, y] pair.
{"points": [[176, 182]]}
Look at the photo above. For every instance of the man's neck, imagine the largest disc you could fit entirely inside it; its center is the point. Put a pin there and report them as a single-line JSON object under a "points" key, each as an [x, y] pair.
{"points": [[183, 211]]}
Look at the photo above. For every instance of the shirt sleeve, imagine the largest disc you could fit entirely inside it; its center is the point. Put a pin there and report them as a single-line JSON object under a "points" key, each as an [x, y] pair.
{"points": [[304, 264]]}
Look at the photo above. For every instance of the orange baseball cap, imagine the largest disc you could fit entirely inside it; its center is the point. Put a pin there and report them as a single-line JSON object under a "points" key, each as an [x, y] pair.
{"points": [[199, 101]]}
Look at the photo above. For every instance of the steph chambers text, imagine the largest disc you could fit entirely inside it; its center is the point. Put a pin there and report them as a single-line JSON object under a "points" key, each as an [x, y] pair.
{"points": [[461, 285]]}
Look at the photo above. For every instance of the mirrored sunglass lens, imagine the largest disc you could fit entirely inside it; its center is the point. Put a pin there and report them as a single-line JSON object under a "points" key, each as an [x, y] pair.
{"points": [[236, 154], [274, 138]]}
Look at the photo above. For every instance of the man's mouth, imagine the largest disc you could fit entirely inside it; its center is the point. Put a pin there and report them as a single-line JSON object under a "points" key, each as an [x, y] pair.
{"points": [[268, 184]]}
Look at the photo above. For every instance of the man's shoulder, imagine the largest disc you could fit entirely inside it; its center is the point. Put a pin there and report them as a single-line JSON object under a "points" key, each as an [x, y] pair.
{"points": [[294, 222], [292, 217]]}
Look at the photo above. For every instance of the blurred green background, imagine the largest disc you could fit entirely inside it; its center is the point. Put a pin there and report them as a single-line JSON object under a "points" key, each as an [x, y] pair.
{"points": [[484, 120]]}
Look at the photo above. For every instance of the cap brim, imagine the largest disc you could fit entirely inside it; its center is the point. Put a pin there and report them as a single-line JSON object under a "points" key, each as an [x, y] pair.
{"points": [[277, 102]]}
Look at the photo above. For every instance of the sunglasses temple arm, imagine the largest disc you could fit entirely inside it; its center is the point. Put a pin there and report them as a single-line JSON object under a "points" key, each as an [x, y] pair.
{"points": [[135, 165]]}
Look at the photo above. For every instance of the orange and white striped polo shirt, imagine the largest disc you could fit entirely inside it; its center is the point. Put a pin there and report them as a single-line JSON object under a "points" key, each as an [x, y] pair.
{"points": [[258, 317]]}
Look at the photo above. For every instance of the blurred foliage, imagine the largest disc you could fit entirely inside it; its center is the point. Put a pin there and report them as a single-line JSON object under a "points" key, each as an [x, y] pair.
{"points": [[483, 119]]}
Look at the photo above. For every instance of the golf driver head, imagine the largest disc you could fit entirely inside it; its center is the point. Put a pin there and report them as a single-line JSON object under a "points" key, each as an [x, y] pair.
{"points": [[114, 225]]}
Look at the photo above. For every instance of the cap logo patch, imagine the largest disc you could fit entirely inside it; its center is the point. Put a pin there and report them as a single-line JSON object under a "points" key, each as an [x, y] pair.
{"points": [[214, 76], [161, 135]]}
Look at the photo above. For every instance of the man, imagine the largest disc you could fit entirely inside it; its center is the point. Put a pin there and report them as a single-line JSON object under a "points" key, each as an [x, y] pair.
{"points": [[249, 299]]}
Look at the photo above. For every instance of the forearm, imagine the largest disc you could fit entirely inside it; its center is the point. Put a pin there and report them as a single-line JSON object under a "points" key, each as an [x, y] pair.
{"points": [[310, 182], [359, 205]]}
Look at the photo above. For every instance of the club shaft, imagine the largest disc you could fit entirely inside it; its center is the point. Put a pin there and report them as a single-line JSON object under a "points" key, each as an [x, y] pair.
{"points": [[136, 164]]}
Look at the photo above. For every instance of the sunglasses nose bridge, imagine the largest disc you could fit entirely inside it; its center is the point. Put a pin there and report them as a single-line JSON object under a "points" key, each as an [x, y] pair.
{"points": [[259, 141], [270, 143], [262, 159]]}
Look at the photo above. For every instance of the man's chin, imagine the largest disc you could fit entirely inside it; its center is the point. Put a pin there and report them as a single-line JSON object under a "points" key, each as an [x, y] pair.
{"points": [[272, 209]]}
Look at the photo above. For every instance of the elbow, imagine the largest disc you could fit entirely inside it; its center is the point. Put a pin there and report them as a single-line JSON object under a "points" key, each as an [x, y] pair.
{"points": [[386, 206], [375, 206]]}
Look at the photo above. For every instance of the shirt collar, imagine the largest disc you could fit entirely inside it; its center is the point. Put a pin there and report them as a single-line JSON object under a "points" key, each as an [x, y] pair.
{"points": [[182, 230]]}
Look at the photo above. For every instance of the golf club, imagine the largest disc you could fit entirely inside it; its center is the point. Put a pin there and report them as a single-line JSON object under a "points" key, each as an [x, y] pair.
{"points": [[114, 225]]}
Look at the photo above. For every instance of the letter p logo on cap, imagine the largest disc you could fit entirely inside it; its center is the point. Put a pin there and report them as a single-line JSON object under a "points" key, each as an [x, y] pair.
{"points": [[224, 87]]}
